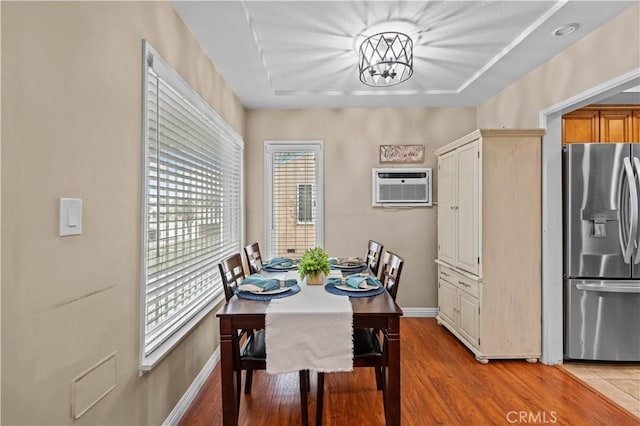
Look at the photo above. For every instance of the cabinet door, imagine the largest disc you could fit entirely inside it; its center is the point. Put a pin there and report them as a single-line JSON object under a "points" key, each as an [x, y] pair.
{"points": [[447, 183], [467, 232], [468, 318], [581, 126], [615, 125], [447, 301], [635, 126]]}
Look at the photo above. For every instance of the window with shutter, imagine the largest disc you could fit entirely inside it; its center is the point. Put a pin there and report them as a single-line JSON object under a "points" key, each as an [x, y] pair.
{"points": [[191, 206], [293, 173]]}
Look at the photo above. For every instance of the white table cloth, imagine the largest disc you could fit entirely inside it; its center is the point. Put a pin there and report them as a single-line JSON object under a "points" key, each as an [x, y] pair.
{"points": [[311, 330]]}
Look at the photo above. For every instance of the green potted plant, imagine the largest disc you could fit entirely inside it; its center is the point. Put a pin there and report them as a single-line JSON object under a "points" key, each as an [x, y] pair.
{"points": [[315, 265]]}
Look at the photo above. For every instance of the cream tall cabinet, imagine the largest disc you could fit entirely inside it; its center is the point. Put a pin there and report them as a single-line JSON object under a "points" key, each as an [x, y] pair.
{"points": [[489, 242], [458, 239]]}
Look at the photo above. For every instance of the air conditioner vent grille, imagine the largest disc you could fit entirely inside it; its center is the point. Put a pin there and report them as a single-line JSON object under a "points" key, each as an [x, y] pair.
{"points": [[403, 192], [401, 187]]}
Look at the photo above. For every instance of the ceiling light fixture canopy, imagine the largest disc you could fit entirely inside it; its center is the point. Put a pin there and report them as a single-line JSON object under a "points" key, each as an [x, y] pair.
{"points": [[385, 59], [565, 29]]}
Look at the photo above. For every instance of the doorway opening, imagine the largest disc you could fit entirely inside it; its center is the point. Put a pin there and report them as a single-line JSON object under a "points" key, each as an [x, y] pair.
{"points": [[552, 248]]}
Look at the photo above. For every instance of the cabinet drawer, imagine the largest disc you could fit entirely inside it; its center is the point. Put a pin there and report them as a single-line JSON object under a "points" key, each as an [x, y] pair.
{"points": [[447, 274], [467, 285], [461, 281]]}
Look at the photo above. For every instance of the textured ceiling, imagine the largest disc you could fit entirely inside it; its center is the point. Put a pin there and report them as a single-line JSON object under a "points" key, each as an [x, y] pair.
{"points": [[303, 54]]}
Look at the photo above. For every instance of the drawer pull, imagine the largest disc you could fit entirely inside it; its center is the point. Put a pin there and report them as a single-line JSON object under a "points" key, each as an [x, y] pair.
{"points": [[464, 284], [445, 274]]}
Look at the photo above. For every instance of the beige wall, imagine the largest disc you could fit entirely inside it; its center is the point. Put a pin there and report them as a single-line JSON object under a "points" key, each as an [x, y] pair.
{"points": [[351, 143], [71, 101], [610, 51]]}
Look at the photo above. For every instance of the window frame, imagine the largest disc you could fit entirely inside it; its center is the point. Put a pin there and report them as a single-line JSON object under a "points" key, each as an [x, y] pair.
{"points": [[229, 136], [272, 146]]}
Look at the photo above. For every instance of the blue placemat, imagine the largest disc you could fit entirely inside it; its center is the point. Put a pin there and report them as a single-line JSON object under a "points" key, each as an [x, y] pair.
{"points": [[349, 268], [252, 296], [333, 290]]}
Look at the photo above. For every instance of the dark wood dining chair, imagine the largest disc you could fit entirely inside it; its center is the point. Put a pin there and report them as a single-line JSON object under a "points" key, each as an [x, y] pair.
{"points": [[390, 274], [374, 252], [251, 355], [254, 258], [368, 351]]}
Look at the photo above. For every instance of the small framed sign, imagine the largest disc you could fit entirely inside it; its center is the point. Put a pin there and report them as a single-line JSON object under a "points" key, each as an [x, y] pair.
{"points": [[401, 153]]}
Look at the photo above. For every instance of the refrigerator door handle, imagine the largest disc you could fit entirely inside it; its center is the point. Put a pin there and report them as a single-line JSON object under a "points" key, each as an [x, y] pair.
{"points": [[636, 260], [633, 209], [609, 288]]}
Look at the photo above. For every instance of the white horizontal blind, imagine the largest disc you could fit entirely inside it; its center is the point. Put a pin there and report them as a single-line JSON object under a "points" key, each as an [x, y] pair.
{"points": [[294, 217], [192, 204]]}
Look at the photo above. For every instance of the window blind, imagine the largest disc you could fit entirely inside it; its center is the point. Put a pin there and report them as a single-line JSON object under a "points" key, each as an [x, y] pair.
{"points": [[192, 203], [294, 213]]}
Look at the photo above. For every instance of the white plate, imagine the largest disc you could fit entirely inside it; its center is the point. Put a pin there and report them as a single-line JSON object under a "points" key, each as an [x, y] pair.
{"points": [[364, 265], [349, 288], [280, 267], [276, 291]]}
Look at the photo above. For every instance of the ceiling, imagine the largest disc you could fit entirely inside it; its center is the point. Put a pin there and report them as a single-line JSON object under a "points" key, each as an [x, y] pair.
{"points": [[303, 54]]}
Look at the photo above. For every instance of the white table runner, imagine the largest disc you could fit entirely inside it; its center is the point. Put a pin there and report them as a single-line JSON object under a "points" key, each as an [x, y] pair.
{"points": [[311, 330]]}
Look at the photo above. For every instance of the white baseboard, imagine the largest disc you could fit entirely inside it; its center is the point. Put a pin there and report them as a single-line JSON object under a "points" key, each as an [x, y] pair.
{"points": [[190, 395], [420, 312]]}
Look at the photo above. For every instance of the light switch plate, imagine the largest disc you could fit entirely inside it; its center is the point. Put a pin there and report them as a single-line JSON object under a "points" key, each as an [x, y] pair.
{"points": [[70, 216]]}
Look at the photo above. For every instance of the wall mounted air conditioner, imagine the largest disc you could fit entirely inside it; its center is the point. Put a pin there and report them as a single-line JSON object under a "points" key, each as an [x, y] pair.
{"points": [[400, 187]]}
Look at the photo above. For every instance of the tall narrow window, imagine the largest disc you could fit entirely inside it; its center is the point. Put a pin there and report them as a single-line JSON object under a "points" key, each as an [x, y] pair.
{"points": [[294, 197], [191, 206]]}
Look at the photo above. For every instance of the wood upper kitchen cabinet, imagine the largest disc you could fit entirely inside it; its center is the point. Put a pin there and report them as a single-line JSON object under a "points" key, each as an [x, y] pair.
{"points": [[581, 126], [602, 123], [615, 125], [489, 242]]}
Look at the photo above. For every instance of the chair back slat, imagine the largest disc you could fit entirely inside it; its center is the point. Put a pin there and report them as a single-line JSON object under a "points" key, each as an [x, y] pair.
{"points": [[232, 274], [254, 258], [391, 270], [374, 251]]}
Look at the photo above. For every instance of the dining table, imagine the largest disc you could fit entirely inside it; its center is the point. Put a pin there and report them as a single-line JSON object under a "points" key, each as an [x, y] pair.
{"points": [[378, 312]]}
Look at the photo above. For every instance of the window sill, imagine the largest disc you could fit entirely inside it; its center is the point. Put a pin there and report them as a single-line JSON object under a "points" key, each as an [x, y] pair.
{"points": [[148, 362]]}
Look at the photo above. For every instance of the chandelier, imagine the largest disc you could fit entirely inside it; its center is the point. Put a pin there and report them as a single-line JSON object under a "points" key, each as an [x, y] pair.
{"points": [[385, 59]]}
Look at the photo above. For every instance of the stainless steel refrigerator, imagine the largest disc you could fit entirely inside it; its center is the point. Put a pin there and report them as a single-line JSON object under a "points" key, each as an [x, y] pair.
{"points": [[602, 251]]}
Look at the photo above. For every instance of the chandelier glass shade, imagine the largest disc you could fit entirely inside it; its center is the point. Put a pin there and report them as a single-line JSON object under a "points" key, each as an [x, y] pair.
{"points": [[385, 59]]}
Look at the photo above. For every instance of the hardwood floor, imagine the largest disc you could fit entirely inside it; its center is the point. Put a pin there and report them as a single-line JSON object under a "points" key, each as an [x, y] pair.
{"points": [[442, 384]]}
